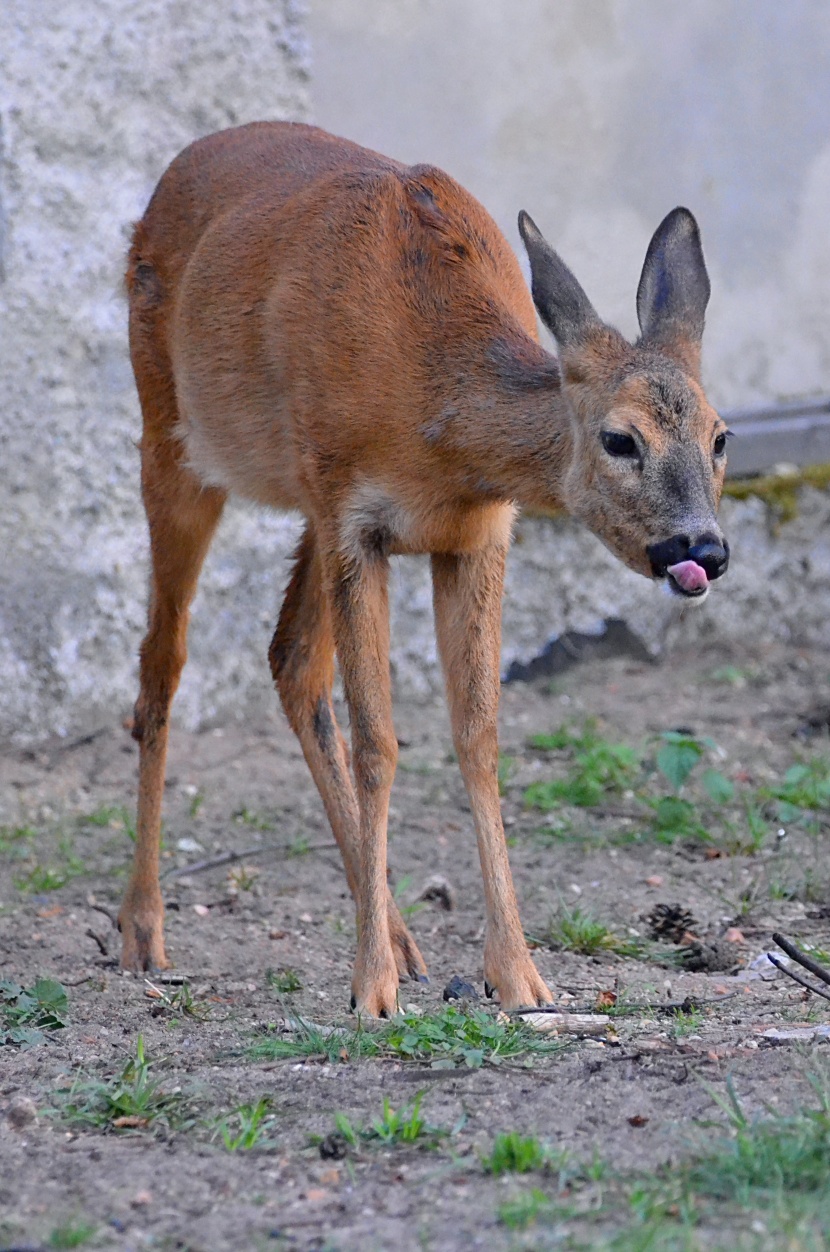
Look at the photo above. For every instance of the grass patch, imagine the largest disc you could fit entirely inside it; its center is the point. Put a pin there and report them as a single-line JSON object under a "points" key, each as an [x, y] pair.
{"points": [[670, 791], [513, 1153], [54, 874], [284, 982], [760, 1183], [132, 1100], [578, 930], [247, 1127], [72, 1234], [454, 1037], [179, 1001], [26, 1012], [598, 769], [394, 1127], [803, 794], [114, 816], [13, 839], [307, 1041], [449, 1039]]}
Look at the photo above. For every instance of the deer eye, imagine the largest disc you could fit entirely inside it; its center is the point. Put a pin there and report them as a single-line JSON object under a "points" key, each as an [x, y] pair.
{"points": [[617, 444], [720, 444]]}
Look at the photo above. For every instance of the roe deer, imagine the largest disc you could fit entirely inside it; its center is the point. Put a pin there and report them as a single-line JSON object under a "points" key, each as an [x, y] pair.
{"points": [[320, 328]]}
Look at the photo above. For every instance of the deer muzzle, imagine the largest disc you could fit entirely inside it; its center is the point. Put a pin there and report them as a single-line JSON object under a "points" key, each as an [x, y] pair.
{"points": [[690, 565]]}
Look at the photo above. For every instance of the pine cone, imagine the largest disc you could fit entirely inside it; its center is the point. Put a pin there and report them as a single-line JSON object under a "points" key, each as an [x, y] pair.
{"points": [[671, 922]]}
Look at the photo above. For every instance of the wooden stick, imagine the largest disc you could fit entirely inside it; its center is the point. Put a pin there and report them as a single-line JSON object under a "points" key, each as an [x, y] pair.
{"points": [[227, 858], [817, 991], [801, 957]]}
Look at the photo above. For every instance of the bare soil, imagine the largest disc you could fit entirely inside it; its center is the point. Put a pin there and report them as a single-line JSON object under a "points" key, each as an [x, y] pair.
{"points": [[246, 789]]}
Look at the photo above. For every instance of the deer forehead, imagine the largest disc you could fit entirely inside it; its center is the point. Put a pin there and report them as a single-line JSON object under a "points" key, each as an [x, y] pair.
{"points": [[666, 407]]}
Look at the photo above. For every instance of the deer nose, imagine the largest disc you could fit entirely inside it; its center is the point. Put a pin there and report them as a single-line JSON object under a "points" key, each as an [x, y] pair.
{"points": [[712, 554], [706, 550]]}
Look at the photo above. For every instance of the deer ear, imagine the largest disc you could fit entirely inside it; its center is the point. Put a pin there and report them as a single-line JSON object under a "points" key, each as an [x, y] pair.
{"points": [[674, 290], [562, 304]]}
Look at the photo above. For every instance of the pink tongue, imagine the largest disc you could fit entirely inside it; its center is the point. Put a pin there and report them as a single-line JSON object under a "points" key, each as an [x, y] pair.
{"points": [[689, 575]]}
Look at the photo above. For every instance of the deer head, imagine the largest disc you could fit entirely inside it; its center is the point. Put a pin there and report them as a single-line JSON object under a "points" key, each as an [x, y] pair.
{"points": [[648, 451]]}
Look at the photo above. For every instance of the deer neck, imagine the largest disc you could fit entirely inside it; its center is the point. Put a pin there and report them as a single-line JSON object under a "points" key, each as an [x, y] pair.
{"points": [[513, 426]]}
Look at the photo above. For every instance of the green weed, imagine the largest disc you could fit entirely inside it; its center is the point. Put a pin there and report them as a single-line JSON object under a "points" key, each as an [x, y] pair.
{"points": [[577, 930], [26, 1012], [183, 1001], [445, 1040], [72, 1234], [393, 1127], [308, 1041], [686, 1023], [804, 790], [253, 819], [132, 1100], [677, 818], [513, 1153], [761, 1183], [116, 816], [246, 1127], [12, 839], [599, 768], [283, 981], [455, 1037], [730, 676], [50, 877], [400, 889], [196, 803], [523, 1210]]}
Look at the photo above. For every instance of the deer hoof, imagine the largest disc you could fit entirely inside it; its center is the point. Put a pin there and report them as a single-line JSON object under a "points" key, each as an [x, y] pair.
{"points": [[408, 959], [142, 945], [519, 987]]}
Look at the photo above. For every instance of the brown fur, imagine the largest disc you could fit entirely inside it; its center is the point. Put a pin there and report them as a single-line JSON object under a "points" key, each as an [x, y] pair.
{"points": [[319, 328]]}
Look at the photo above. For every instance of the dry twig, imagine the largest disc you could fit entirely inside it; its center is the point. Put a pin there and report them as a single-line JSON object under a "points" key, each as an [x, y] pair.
{"points": [[801, 958]]}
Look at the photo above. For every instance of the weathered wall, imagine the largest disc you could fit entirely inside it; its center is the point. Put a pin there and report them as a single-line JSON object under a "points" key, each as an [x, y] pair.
{"points": [[95, 99], [597, 115]]}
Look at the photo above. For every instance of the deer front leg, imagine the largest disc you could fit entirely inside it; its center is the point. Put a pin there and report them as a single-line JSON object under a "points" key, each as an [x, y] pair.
{"points": [[467, 592], [182, 516], [361, 628]]}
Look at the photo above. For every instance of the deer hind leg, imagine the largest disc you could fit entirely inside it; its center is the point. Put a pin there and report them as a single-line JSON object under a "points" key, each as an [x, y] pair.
{"points": [[182, 517], [467, 593], [357, 587], [302, 663]]}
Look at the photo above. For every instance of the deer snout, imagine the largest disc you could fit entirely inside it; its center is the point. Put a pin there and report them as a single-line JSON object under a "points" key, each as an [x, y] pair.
{"points": [[689, 563], [712, 554]]}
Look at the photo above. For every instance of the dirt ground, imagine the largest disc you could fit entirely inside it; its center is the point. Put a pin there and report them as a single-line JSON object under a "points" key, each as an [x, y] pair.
{"points": [[283, 906]]}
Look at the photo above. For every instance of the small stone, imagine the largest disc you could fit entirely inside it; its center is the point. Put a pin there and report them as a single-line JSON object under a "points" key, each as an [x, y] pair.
{"points": [[655, 880], [21, 1112], [458, 989], [333, 1147], [733, 935], [201, 910], [189, 845], [141, 1199]]}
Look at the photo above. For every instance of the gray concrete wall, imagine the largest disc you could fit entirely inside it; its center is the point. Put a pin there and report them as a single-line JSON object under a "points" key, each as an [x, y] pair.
{"points": [[95, 100], [596, 115]]}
